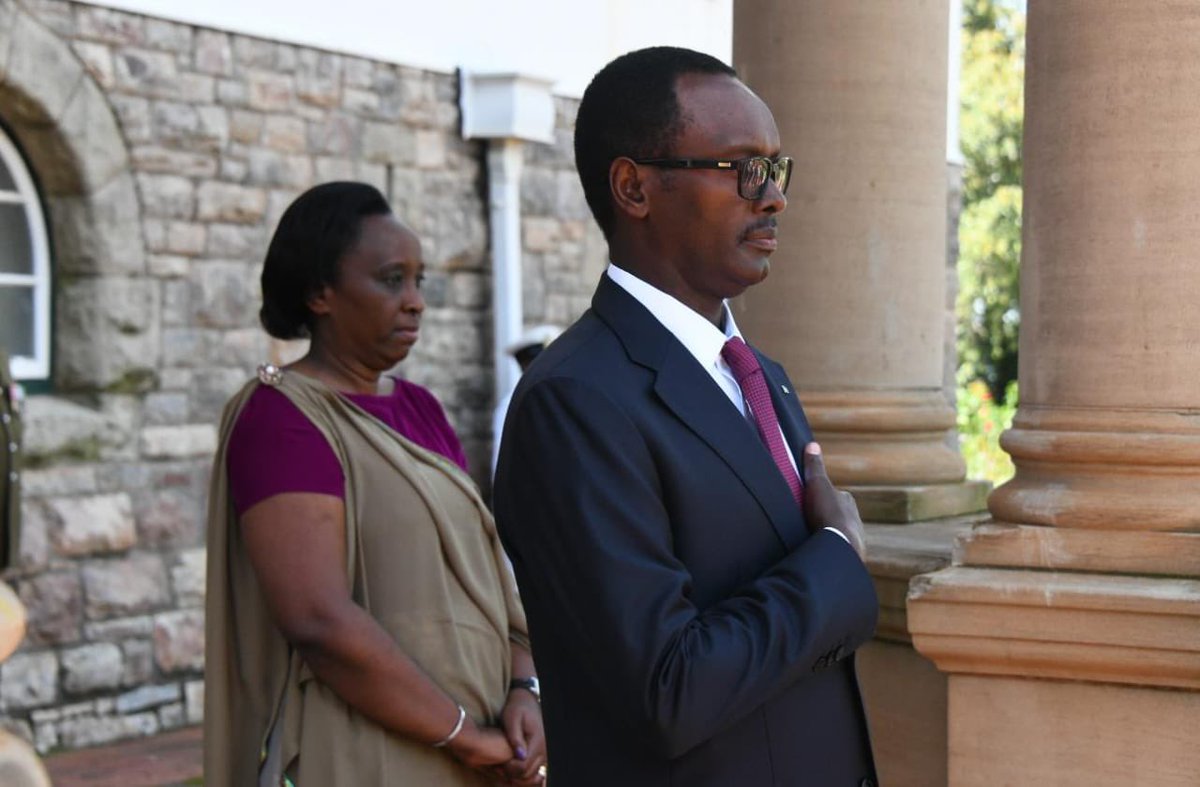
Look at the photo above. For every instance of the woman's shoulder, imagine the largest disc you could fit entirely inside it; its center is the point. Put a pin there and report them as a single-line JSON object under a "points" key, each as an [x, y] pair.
{"points": [[268, 413]]}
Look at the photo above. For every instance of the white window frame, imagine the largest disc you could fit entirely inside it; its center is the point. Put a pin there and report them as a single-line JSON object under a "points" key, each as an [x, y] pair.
{"points": [[25, 367]]}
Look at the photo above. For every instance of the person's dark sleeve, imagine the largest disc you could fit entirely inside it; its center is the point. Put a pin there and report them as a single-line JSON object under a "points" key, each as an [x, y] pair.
{"points": [[579, 506]]}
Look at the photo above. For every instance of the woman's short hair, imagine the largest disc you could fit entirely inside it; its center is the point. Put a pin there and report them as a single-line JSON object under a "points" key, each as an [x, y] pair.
{"points": [[315, 231]]}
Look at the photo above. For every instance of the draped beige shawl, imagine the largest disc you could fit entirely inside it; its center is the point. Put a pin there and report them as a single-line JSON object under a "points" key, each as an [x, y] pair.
{"points": [[423, 558]]}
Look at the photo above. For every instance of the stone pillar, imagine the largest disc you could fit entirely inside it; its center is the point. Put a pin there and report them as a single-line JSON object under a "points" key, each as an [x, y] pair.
{"points": [[854, 307], [856, 302], [1071, 627]]}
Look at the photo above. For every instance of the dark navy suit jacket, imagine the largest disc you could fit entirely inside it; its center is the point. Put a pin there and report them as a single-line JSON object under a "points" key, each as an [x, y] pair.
{"points": [[688, 629]]}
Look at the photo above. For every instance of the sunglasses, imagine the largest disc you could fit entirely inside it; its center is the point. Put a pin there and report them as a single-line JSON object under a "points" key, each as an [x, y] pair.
{"points": [[754, 172]]}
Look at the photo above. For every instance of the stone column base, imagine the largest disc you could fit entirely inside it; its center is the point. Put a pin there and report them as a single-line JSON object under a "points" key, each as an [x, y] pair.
{"points": [[901, 504], [904, 693], [1064, 678]]}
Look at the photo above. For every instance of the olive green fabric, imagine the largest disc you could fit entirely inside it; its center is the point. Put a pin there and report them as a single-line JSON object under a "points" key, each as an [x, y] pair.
{"points": [[423, 558], [10, 466]]}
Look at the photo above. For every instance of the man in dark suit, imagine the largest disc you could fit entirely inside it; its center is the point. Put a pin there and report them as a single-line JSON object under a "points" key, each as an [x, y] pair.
{"points": [[694, 592]]}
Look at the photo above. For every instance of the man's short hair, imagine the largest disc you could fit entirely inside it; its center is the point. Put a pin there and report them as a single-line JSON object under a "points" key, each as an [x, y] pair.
{"points": [[630, 109]]}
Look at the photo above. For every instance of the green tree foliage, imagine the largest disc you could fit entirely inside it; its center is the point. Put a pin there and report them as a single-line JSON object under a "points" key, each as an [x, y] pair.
{"points": [[991, 125]]}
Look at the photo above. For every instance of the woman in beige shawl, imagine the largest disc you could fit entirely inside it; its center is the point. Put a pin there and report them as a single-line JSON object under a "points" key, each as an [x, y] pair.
{"points": [[362, 628]]}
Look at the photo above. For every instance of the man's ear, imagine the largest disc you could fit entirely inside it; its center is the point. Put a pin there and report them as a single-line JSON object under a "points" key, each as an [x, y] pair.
{"points": [[627, 188]]}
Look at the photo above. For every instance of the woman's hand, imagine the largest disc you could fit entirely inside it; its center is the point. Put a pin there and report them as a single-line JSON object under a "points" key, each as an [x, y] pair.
{"points": [[522, 720], [481, 748]]}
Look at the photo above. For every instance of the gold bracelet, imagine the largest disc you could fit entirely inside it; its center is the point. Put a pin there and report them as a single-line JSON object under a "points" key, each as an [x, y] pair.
{"points": [[458, 726]]}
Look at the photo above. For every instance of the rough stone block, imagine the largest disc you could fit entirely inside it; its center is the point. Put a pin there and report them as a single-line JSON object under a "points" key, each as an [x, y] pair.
{"points": [[124, 586], [271, 168], [171, 36], [145, 697], [224, 294], [539, 234], [234, 169], [168, 196], [318, 91], [179, 640], [213, 53], [147, 72], [285, 133], [186, 238], [232, 92], [360, 102], [167, 266], [170, 517], [175, 442], [92, 667], [389, 143], [255, 52], [337, 134], [54, 607], [119, 629], [213, 390], [139, 661], [193, 692], [189, 347], [34, 550], [470, 290], [431, 149], [98, 233], [230, 202], [188, 577], [56, 427], [236, 241], [192, 164], [267, 91], [28, 680], [97, 59], [121, 315], [95, 730], [172, 716], [246, 127], [165, 408], [112, 27], [245, 347], [133, 115], [59, 480], [87, 525]]}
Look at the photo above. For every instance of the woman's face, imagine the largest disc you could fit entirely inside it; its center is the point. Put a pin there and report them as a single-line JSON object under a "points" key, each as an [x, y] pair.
{"points": [[373, 311]]}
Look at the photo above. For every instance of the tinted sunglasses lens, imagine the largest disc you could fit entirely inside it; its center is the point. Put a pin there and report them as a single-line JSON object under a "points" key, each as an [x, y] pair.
{"points": [[753, 177], [782, 173]]}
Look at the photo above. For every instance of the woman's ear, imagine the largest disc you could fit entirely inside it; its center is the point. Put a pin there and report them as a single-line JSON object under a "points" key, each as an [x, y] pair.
{"points": [[318, 301], [627, 188]]}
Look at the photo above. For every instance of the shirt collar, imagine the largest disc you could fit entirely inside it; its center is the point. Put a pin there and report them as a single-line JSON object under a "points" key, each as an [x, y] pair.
{"points": [[701, 338]]}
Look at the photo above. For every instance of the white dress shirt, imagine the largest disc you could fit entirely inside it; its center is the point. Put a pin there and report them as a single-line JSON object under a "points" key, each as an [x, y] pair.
{"points": [[699, 336]]}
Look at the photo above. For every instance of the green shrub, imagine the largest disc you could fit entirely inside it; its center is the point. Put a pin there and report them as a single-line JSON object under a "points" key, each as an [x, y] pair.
{"points": [[981, 420]]}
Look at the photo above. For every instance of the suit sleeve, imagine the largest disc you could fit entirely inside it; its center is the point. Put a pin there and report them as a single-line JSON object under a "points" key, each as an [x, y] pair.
{"points": [[579, 505]]}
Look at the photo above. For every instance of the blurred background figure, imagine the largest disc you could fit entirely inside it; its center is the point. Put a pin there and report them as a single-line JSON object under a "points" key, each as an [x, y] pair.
{"points": [[10, 464], [527, 347]]}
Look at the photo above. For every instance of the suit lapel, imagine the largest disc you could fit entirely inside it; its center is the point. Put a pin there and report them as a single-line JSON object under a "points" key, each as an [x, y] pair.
{"points": [[687, 390]]}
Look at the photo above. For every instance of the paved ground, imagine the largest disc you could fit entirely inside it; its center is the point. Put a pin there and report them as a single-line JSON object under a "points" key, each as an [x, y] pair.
{"points": [[173, 758]]}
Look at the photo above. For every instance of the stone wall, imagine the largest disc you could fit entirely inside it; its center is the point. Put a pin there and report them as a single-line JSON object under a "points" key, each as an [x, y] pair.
{"points": [[166, 153]]}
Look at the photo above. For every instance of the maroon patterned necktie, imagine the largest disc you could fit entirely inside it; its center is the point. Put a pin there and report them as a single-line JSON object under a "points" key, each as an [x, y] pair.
{"points": [[750, 379]]}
